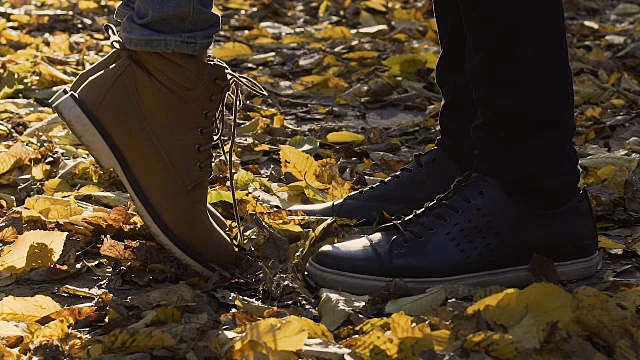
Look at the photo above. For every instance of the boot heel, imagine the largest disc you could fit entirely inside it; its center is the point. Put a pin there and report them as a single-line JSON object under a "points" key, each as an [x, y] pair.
{"points": [[67, 107]]}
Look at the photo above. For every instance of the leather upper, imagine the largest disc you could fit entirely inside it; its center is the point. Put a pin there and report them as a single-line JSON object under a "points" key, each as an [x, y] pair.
{"points": [[429, 175], [478, 227], [154, 108]]}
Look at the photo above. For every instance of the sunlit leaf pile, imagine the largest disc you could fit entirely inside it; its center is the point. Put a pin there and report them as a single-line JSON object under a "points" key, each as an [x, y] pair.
{"points": [[352, 96]]}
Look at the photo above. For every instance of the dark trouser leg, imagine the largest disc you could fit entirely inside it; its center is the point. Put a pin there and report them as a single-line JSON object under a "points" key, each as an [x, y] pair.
{"points": [[459, 110], [522, 85]]}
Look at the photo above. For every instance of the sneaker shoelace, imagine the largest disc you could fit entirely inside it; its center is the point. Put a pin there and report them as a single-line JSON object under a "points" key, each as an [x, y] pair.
{"points": [[407, 224], [233, 93]]}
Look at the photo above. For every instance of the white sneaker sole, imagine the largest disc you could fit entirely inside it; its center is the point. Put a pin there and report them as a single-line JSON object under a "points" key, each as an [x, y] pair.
{"points": [[510, 277], [64, 103]]}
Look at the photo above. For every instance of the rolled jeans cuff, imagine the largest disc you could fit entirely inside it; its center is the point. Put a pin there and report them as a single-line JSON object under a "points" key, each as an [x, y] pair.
{"points": [[182, 26]]}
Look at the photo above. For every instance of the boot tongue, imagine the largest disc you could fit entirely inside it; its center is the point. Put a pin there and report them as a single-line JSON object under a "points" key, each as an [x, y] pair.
{"points": [[184, 69]]}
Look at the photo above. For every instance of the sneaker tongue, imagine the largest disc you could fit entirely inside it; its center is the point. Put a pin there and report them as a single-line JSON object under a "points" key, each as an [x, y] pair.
{"points": [[185, 70]]}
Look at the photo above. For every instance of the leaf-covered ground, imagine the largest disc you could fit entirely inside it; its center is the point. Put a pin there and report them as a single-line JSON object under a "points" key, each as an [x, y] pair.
{"points": [[352, 97]]}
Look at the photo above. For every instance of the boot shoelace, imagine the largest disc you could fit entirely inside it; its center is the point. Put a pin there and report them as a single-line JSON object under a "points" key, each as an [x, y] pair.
{"points": [[417, 159], [233, 93], [217, 127], [407, 224]]}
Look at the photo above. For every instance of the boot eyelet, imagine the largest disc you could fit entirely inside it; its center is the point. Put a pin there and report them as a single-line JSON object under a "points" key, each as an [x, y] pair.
{"points": [[470, 202], [457, 212], [405, 241], [200, 166], [421, 237], [199, 149], [202, 131], [446, 220], [481, 193], [432, 229], [212, 98]]}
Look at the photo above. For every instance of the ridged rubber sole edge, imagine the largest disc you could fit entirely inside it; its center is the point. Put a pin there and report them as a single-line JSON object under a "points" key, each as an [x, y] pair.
{"points": [[79, 123], [510, 277]]}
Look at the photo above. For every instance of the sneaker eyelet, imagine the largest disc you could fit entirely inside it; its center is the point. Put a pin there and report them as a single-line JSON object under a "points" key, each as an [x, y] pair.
{"points": [[200, 166], [470, 202], [421, 237], [202, 131], [405, 241], [446, 220], [432, 229], [457, 212], [481, 193]]}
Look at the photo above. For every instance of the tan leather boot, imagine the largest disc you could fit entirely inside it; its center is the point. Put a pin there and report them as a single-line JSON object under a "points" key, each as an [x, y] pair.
{"points": [[104, 63], [150, 116]]}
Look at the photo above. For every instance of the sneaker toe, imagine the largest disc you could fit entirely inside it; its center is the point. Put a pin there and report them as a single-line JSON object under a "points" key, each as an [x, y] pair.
{"points": [[324, 209], [354, 257]]}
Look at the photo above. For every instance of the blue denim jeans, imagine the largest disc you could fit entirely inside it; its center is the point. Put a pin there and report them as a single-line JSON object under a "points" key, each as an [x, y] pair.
{"points": [[183, 26]]}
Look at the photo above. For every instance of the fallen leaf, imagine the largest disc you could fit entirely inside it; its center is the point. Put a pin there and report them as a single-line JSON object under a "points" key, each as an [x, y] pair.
{"points": [[31, 250], [26, 309]]}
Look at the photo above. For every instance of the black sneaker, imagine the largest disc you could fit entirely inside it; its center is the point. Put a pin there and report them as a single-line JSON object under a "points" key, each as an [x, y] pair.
{"points": [[474, 234], [429, 175]]}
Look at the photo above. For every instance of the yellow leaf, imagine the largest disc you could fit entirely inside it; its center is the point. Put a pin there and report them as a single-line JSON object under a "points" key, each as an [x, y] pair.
{"points": [[498, 345], [376, 5], [373, 345], [339, 189], [335, 32], [606, 243], [27, 309], [88, 5], [361, 55], [60, 44], [344, 137], [529, 313], [301, 165], [509, 307], [8, 161], [53, 208], [31, 250], [597, 314], [364, 328], [277, 334], [329, 86], [56, 329], [56, 186], [418, 304], [402, 327], [131, 340], [408, 65], [231, 51], [278, 121], [50, 76], [315, 330]]}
